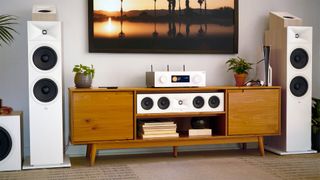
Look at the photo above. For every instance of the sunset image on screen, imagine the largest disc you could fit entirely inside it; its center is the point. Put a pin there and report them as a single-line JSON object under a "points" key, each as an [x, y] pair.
{"points": [[177, 24]]}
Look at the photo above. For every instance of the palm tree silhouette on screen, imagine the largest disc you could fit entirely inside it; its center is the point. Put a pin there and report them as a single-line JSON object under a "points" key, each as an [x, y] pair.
{"points": [[205, 7], [155, 33], [200, 3], [121, 34], [171, 6]]}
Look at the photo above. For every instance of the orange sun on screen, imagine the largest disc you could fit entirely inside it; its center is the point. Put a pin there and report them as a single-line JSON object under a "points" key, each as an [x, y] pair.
{"points": [[107, 5]]}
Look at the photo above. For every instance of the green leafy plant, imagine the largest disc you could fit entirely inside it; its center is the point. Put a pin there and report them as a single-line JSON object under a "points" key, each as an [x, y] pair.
{"points": [[86, 70], [6, 21], [239, 65], [315, 115]]}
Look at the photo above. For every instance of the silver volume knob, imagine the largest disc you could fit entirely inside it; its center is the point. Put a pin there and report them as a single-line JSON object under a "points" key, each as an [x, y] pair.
{"points": [[163, 79], [197, 79]]}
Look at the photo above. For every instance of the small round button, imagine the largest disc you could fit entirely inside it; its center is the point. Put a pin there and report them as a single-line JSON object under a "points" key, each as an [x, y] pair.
{"points": [[174, 79], [180, 102]]}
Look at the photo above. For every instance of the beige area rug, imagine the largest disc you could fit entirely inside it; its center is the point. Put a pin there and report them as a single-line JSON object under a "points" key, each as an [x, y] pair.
{"points": [[236, 164], [291, 167], [224, 168], [112, 172]]}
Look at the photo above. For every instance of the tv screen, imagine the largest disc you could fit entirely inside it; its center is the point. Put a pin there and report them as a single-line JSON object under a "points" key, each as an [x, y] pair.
{"points": [[163, 26]]}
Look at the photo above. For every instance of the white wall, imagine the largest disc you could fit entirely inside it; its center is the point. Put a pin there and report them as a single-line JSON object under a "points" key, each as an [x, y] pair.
{"points": [[127, 70]]}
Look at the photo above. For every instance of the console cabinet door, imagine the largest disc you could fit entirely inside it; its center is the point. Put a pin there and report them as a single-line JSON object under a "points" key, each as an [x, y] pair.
{"points": [[254, 112], [101, 116]]}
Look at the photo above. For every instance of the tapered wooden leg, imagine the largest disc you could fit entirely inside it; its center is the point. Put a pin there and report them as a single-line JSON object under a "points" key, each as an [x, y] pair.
{"points": [[261, 145], [244, 146], [93, 151], [89, 146], [175, 151]]}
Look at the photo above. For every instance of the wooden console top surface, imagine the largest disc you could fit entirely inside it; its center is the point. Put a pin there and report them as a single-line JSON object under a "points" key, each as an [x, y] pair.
{"points": [[208, 88]]}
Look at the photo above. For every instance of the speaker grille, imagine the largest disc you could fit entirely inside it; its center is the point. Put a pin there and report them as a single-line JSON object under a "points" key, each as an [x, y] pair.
{"points": [[45, 90], [299, 58], [214, 101], [147, 103], [5, 143], [299, 86], [198, 102], [163, 103], [45, 58]]}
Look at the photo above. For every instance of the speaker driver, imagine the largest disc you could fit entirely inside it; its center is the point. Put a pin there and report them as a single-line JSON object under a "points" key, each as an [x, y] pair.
{"points": [[299, 58], [163, 103], [147, 103], [5, 144], [198, 102], [44, 58], [45, 90], [299, 86], [214, 101]]}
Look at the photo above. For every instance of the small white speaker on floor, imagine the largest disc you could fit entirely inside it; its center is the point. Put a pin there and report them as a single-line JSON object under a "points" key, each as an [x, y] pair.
{"points": [[10, 142]]}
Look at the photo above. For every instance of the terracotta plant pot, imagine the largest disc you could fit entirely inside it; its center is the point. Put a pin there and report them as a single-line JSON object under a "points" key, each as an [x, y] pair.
{"points": [[240, 79], [82, 81]]}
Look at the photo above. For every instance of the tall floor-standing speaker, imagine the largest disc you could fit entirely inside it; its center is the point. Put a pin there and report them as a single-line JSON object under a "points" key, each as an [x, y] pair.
{"points": [[45, 93], [291, 57]]}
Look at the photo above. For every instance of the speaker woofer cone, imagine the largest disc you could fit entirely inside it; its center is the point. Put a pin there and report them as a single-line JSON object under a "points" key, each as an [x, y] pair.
{"points": [[299, 58], [44, 58], [45, 90], [198, 102], [214, 102], [163, 103], [299, 86], [147, 103], [5, 143]]}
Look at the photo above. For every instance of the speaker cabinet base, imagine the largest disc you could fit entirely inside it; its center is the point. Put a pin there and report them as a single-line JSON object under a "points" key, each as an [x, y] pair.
{"points": [[66, 163], [282, 153]]}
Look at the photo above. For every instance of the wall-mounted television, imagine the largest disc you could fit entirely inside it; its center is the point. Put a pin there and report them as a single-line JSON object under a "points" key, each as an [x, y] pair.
{"points": [[163, 26]]}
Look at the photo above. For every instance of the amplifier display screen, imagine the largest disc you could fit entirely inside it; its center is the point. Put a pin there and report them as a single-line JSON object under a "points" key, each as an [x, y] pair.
{"points": [[180, 79]]}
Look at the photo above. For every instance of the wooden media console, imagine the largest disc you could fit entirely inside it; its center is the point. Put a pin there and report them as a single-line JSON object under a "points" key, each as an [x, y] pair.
{"points": [[108, 119]]}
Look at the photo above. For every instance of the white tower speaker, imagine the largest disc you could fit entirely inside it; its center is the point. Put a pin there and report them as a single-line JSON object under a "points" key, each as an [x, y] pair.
{"points": [[292, 61], [45, 93]]}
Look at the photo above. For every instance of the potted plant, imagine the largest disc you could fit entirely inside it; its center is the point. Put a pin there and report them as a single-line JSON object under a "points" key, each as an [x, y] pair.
{"points": [[316, 124], [240, 67], [84, 76], [6, 30], [6, 37]]}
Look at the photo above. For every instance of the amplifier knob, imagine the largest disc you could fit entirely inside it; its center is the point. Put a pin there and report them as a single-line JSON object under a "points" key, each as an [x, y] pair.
{"points": [[163, 79], [197, 79]]}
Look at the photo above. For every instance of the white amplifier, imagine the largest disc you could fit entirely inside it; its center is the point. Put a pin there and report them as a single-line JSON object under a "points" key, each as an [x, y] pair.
{"points": [[176, 79]]}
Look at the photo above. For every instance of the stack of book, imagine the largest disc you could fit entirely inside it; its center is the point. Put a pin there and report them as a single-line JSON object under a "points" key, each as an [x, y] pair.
{"points": [[200, 132], [157, 130]]}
